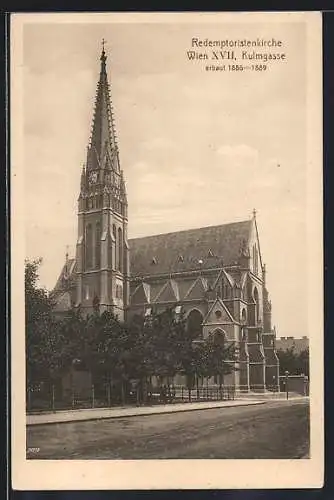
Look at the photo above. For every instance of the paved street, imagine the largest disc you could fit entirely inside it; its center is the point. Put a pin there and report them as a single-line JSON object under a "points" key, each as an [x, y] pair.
{"points": [[277, 429]]}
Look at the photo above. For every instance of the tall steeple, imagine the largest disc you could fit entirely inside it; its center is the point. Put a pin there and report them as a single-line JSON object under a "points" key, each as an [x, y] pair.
{"points": [[102, 174], [102, 247], [102, 150]]}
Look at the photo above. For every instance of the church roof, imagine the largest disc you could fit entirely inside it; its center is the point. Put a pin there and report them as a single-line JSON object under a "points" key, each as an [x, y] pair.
{"points": [[67, 273], [202, 248]]}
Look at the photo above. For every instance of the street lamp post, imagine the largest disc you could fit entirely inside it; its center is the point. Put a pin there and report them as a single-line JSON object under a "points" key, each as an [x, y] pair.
{"points": [[305, 385], [287, 384]]}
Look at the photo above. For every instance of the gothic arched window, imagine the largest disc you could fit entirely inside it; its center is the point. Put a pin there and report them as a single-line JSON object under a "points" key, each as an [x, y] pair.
{"points": [[89, 246], [114, 233], [226, 291], [120, 250], [97, 244], [109, 251], [257, 305], [219, 337], [194, 324], [243, 316]]}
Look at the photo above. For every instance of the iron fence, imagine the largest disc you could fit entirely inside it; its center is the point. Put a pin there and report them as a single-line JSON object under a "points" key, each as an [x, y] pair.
{"points": [[41, 397], [205, 393]]}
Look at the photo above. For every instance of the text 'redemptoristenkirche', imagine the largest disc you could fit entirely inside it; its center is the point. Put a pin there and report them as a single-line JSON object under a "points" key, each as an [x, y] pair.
{"points": [[264, 49]]}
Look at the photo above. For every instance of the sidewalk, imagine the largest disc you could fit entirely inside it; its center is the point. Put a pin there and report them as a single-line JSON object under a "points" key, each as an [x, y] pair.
{"points": [[275, 396], [106, 413]]}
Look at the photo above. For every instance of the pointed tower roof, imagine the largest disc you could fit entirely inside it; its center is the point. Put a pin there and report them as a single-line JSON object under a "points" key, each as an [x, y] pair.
{"points": [[102, 149], [122, 185]]}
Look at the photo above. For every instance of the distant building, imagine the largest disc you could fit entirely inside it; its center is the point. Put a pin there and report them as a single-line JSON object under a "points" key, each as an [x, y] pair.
{"points": [[298, 344], [214, 275]]}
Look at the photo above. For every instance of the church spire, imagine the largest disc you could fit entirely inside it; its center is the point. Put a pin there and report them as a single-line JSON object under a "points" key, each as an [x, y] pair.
{"points": [[102, 150], [102, 250]]}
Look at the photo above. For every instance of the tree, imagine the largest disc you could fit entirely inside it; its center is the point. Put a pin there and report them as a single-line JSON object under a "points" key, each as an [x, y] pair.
{"points": [[153, 350], [72, 339], [168, 337], [41, 338], [304, 362], [115, 352], [219, 358], [112, 345], [51, 345], [293, 362]]}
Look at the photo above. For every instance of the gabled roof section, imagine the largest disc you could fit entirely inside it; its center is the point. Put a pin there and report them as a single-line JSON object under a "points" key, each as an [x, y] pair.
{"points": [[197, 290], [194, 245], [168, 293], [254, 239], [156, 288], [67, 275], [243, 280], [184, 285], [141, 295], [218, 307], [226, 276], [258, 239]]}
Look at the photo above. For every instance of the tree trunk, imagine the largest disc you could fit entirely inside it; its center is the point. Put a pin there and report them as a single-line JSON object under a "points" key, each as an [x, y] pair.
{"points": [[168, 390], [109, 394], [220, 386], [123, 392], [146, 387], [138, 394]]}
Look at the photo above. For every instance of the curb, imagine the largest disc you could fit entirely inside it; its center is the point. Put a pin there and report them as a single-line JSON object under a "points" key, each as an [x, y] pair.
{"points": [[166, 411]]}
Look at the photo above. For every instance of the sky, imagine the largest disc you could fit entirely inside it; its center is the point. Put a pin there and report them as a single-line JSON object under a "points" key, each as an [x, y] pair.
{"points": [[197, 148]]}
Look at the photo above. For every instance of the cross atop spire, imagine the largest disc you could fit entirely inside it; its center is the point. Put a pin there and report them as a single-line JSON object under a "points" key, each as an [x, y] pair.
{"points": [[103, 55], [254, 213]]}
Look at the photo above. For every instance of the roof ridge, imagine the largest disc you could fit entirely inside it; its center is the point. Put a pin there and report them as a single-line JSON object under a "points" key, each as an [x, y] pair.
{"points": [[191, 229]]}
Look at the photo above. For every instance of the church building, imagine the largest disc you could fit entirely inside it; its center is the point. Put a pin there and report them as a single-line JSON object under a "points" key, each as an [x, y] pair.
{"points": [[214, 275]]}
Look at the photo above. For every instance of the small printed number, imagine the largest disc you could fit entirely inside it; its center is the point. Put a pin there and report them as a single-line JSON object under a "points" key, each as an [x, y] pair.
{"points": [[259, 67], [235, 67], [34, 450]]}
